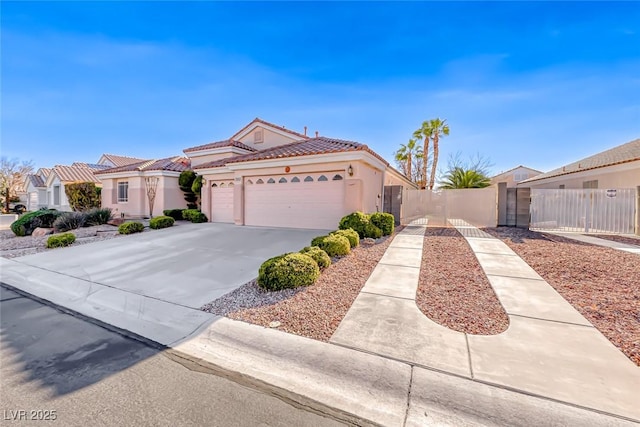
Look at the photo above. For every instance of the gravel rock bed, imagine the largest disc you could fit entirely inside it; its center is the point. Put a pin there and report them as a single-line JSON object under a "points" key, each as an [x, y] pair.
{"points": [[12, 246], [616, 238], [603, 284], [314, 311], [453, 289]]}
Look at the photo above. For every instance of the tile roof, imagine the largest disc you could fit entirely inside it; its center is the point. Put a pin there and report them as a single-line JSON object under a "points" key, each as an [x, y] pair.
{"points": [[220, 144], [36, 181], [264, 122], [121, 160], [44, 172], [74, 174], [624, 153], [91, 166], [517, 167], [320, 145], [172, 164]]}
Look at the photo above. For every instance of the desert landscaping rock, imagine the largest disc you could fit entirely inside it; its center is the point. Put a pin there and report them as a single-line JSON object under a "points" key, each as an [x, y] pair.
{"points": [[39, 232], [619, 239], [453, 289], [603, 284], [314, 311]]}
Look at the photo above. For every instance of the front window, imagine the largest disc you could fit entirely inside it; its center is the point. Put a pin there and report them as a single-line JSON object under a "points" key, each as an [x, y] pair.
{"points": [[123, 192], [56, 195]]}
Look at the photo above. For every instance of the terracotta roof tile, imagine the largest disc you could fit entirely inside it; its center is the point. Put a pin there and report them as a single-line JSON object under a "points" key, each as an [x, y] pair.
{"points": [[624, 153], [264, 122], [172, 164], [320, 145], [91, 166], [220, 144], [121, 160], [36, 180], [74, 174], [44, 172]]}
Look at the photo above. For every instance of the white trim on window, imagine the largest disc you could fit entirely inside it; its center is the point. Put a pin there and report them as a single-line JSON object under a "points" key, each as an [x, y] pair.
{"points": [[123, 191]]}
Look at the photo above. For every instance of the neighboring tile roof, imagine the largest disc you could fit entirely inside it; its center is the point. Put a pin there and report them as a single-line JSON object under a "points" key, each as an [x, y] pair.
{"points": [[172, 164], [121, 160], [74, 174], [44, 172], [624, 153], [220, 144], [91, 166], [320, 145], [517, 167], [264, 122], [36, 181]]}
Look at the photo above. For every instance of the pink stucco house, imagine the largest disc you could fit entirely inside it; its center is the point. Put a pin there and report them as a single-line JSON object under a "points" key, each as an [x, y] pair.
{"points": [[263, 175]]}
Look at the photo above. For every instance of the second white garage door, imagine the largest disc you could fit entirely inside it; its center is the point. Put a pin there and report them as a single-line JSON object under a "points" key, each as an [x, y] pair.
{"points": [[314, 200], [222, 201]]}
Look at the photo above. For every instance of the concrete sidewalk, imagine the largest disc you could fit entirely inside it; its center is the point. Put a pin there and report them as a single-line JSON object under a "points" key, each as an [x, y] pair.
{"points": [[599, 242], [342, 383], [549, 349]]}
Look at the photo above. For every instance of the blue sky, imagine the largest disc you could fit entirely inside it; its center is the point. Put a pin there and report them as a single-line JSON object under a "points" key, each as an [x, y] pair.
{"points": [[540, 84]]}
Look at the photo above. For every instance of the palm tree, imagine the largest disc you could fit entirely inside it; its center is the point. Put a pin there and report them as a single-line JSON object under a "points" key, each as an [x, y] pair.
{"points": [[405, 154], [438, 129], [459, 177], [424, 133]]}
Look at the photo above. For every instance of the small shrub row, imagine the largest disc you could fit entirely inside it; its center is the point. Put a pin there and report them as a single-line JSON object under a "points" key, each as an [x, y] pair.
{"points": [[319, 256], [161, 222], [288, 271], [130, 227], [333, 244], [194, 215], [25, 225], [60, 240], [350, 234], [373, 226], [174, 213]]}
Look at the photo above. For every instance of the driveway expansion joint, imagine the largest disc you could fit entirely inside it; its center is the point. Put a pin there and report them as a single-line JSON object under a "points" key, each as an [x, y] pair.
{"points": [[386, 295], [550, 320]]}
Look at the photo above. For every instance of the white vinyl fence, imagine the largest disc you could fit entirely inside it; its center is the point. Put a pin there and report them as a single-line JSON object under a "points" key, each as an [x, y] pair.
{"points": [[477, 206], [588, 210]]}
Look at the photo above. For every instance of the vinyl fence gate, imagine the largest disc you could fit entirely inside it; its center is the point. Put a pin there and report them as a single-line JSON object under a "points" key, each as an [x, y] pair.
{"points": [[584, 210]]}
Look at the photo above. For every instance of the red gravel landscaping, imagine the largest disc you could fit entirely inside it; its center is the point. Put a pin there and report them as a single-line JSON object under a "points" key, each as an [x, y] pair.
{"points": [[453, 289], [603, 284], [616, 238], [314, 311]]}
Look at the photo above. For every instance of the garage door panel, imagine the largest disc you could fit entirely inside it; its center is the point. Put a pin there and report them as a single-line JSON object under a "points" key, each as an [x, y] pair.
{"points": [[316, 204], [222, 202]]}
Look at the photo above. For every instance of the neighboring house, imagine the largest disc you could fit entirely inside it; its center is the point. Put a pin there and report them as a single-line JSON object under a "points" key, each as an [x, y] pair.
{"points": [[114, 161], [618, 167], [36, 189], [124, 188], [513, 176], [61, 175], [264, 175]]}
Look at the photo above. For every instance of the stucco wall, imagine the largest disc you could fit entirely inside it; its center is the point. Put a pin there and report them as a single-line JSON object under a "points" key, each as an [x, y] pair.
{"points": [[509, 177], [619, 176], [270, 139], [64, 203], [197, 160], [371, 186]]}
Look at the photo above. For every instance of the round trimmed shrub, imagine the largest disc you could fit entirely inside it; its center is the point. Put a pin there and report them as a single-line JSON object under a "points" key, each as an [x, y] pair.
{"points": [[334, 245], [318, 255], [317, 240], [351, 235], [384, 221], [356, 221], [288, 271], [194, 215], [161, 222], [174, 213], [28, 222], [372, 231], [130, 227], [60, 240]]}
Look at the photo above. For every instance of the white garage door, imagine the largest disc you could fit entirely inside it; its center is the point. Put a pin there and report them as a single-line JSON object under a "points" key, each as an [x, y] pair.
{"points": [[314, 200], [222, 201]]}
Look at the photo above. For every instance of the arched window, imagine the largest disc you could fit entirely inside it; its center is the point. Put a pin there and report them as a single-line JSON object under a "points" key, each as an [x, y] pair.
{"points": [[214, 185], [295, 179], [222, 185], [249, 182], [337, 177], [259, 181], [308, 179], [271, 181], [323, 178], [282, 180], [231, 184]]}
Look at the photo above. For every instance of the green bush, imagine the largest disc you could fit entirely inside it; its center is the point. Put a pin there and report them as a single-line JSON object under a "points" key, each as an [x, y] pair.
{"points": [[384, 221], [372, 231], [351, 235], [194, 215], [356, 221], [288, 271], [318, 255], [131, 227], [185, 182], [317, 240], [25, 225], [69, 221], [82, 196], [333, 245], [98, 216], [174, 213], [60, 240], [161, 222]]}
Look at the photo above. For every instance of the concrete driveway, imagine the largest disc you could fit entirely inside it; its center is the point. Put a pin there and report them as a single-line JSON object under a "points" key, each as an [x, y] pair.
{"points": [[188, 264]]}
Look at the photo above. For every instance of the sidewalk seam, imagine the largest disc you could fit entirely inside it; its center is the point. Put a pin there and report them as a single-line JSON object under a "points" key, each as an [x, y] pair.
{"points": [[406, 412], [549, 320], [466, 339], [385, 295]]}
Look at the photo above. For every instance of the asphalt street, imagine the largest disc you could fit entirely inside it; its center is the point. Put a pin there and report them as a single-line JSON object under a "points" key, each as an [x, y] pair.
{"points": [[56, 369]]}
